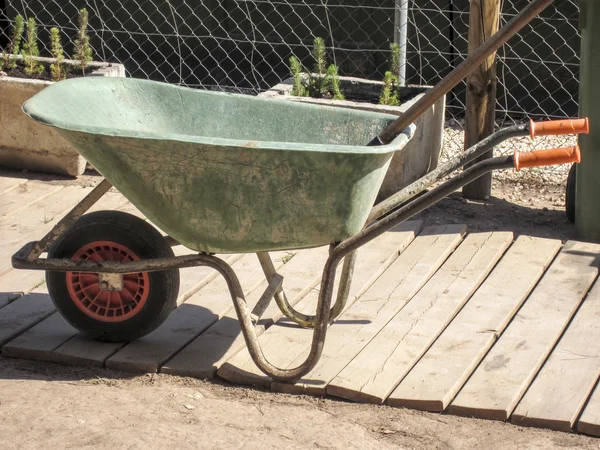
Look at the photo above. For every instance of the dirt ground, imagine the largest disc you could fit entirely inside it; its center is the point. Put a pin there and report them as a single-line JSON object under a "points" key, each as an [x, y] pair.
{"points": [[523, 209], [52, 406], [44, 404]]}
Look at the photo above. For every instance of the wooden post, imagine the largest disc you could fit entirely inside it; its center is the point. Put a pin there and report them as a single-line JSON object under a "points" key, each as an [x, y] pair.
{"points": [[484, 21]]}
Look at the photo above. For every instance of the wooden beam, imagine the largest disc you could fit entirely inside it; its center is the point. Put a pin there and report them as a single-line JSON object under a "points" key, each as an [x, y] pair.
{"points": [[484, 21]]}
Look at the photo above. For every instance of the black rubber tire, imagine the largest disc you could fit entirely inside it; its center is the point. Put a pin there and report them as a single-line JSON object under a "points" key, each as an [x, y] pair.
{"points": [[570, 194], [146, 242]]}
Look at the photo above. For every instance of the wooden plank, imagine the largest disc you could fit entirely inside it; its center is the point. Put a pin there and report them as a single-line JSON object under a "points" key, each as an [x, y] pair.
{"points": [[363, 320], [49, 334], [17, 317], [561, 388], [223, 340], [207, 352], [187, 321], [43, 337], [46, 337], [435, 380], [371, 263], [386, 360], [80, 350], [589, 422], [39, 341], [24, 195], [36, 220], [505, 373], [8, 183], [16, 283], [109, 201]]}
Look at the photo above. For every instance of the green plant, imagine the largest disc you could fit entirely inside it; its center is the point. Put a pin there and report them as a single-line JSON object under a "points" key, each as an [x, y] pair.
{"points": [[83, 51], [322, 81], [14, 45], [296, 72], [389, 92], [319, 55], [395, 65], [288, 256], [317, 80], [333, 83], [30, 50], [57, 69], [388, 96]]}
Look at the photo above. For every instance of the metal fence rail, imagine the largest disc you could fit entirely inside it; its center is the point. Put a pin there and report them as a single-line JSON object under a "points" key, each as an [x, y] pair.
{"points": [[245, 45]]}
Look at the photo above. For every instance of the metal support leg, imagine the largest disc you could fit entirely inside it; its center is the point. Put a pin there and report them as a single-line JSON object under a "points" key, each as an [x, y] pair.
{"points": [[321, 322], [73, 216], [305, 320]]}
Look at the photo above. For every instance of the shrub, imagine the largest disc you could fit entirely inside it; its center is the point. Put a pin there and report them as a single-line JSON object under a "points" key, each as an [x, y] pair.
{"points": [[13, 47], [57, 69], [334, 83], [389, 92], [30, 50], [296, 72], [83, 51], [322, 81], [388, 96]]}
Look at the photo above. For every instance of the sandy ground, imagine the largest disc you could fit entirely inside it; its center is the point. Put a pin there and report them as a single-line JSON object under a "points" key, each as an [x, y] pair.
{"points": [[52, 406]]}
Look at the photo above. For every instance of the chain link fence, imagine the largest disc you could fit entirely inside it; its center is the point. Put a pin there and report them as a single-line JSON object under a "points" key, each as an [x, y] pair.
{"points": [[245, 45]]}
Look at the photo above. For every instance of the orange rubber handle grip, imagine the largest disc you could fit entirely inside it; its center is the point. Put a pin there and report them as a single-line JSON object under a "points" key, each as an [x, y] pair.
{"points": [[550, 157], [559, 127]]}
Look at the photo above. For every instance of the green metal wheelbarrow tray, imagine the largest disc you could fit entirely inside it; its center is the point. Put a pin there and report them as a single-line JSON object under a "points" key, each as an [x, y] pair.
{"points": [[225, 173]]}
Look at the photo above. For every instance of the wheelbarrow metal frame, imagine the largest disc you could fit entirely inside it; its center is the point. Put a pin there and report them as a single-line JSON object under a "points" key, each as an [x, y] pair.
{"points": [[386, 215]]}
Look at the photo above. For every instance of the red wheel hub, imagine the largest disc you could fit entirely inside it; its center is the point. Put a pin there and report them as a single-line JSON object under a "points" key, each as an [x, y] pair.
{"points": [[105, 305]]}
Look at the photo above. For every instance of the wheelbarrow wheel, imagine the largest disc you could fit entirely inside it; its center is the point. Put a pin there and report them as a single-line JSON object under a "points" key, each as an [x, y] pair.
{"points": [[113, 313], [570, 194]]}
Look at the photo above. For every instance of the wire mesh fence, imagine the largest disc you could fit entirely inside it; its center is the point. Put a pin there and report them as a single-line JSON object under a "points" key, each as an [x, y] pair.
{"points": [[245, 45]]}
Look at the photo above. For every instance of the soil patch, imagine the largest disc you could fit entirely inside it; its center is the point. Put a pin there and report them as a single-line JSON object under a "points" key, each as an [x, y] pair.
{"points": [[48, 405], [72, 72]]}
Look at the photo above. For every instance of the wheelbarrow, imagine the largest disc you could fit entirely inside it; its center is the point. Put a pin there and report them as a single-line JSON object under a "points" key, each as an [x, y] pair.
{"points": [[226, 173]]}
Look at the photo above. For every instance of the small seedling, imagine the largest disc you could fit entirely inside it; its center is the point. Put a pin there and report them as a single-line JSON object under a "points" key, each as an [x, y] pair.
{"points": [[13, 47], [83, 51], [288, 255], [317, 80], [57, 69], [40, 283], [395, 65], [319, 56], [389, 92], [322, 81], [30, 50], [388, 96], [298, 89], [333, 83]]}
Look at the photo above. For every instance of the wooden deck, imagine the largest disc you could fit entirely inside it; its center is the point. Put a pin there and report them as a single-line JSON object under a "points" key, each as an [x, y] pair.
{"points": [[439, 319]]}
